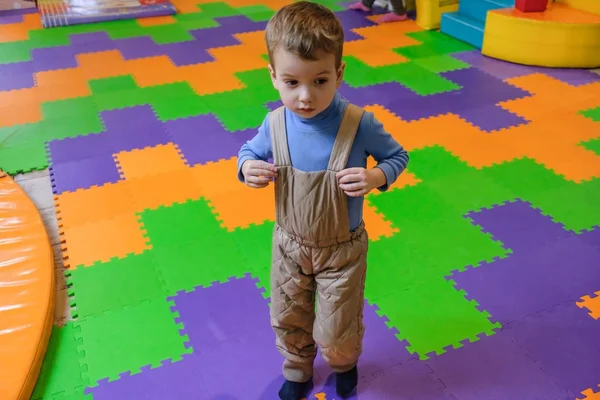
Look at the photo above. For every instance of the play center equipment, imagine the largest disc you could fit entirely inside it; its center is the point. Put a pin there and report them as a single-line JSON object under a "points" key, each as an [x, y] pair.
{"points": [[73, 12], [26, 291], [430, 12], [561, 33]]}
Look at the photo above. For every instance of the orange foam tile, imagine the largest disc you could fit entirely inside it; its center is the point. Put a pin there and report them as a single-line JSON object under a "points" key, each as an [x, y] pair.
{"points": [[211, 78], [149, 161], [590, 394], [118, 236], [102, 64], [164, 189], [20, 30], [62, 77], [187, 6], [73, 208], [371, 54], [217, 178], [17, 115], [592, 304], [390, 36], [154, 21], [376, 224], [258, 206]]}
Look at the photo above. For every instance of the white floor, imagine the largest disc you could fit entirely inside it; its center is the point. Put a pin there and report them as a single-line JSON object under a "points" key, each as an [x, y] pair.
{"points": [[37, 185]]}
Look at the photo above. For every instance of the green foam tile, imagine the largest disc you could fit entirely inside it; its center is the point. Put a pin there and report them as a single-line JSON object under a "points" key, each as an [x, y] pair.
{"points": [[243, 118], [114, 284], [55, 37], [129, 338], [257, 13], [440, 63], [181, 107], [593, 114], [22, 159], [409, 75], [64, 371], [438, 316], [170, 33], [593, 145], [77, 108], [190, 246], [420, 80], [217, 10], [120, 99], [254, 245], [14, 52], [112, 84]]}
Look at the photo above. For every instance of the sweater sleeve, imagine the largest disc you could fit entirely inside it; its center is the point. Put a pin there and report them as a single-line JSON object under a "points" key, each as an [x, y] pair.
{"points": [[257, 148], [391, 157]]}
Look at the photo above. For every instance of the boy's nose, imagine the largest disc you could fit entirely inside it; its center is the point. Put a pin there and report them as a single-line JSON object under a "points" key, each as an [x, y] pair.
{"points": [[304, 96]]}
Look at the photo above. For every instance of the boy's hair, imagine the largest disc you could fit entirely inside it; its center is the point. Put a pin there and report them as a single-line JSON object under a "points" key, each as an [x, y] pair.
{"points": [[304, 28]]}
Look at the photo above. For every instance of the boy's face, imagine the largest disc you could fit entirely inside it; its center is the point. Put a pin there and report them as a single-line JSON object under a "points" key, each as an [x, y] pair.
{"points": [[306, 87]]}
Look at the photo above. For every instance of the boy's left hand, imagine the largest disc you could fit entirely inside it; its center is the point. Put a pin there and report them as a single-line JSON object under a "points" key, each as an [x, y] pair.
{"points": [[358, 181]]}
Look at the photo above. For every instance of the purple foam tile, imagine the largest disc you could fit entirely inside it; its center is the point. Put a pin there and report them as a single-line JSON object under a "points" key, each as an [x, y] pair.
{"points": [[247, 369], [202, 139], [505, 70], [492, 118], [93, 47], [82, 174], [496, 368], [186, 53], [138, 47], [209, 327], [552, 267], [79, 148], [352, 19], [563, 341], [89, 37], [14, 81], [410, 106], [591, 237], [52, 58], [124, 118], [237, 24], [10, 19], [519, 225], [178, 380], [222, 35], [409, 381], [473, 80]]}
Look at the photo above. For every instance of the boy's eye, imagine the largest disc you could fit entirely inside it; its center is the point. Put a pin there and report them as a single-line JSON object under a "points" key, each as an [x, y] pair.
{"points": [[321, 81], [291, 83]]}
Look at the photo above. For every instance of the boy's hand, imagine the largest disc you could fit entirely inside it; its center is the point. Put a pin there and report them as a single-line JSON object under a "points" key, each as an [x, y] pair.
{"points": [[258, 174], [358, 181]]}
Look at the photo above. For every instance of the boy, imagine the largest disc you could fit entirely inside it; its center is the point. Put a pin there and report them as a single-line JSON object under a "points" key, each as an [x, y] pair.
{"points": [[320, 145]]}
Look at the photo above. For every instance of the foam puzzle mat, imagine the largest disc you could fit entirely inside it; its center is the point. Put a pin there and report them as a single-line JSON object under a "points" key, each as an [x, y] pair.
{"points": [[484, 263]]}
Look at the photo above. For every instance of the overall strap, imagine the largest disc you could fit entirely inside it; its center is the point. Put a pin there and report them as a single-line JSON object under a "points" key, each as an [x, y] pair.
{"points": [[279, 142], [345, 137]]}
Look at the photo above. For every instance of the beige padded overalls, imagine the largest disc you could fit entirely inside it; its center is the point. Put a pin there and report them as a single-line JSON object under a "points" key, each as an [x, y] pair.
{"points": [[314, 252]]}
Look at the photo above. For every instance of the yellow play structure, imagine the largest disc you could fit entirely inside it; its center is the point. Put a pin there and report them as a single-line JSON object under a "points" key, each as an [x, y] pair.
{"points": [[566, 35]]}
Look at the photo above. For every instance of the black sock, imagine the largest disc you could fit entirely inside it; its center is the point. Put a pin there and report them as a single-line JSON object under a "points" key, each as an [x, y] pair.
{"points": [[346, 382], [294, 390]]}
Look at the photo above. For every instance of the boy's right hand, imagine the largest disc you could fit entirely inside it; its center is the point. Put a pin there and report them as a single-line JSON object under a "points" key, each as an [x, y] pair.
{"points": [[258, 173]]}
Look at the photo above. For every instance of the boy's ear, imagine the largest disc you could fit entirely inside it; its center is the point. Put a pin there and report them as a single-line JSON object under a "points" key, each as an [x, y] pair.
{"points": [[272, 74], [340, 74]]}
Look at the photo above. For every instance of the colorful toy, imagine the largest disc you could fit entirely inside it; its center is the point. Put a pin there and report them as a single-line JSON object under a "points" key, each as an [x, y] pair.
{"points": [[531, 5]]}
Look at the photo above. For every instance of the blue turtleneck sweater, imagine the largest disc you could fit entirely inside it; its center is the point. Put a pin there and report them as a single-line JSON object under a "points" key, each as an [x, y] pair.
{"points": [[310, 143]]}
